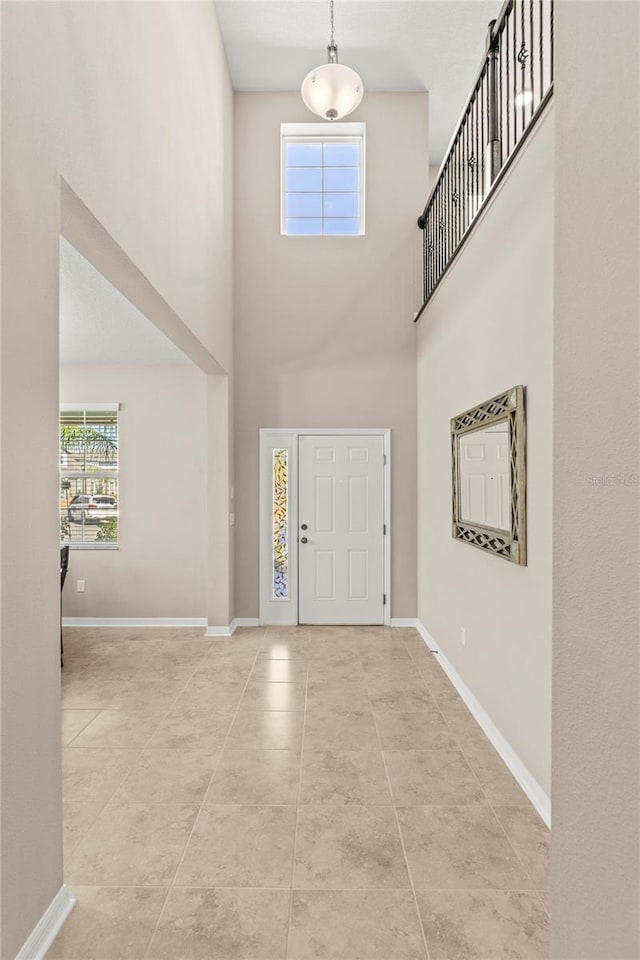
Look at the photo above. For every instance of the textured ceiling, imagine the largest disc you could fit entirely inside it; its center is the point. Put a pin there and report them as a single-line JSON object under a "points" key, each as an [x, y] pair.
{"points": [[433, 45], [99, 325]]}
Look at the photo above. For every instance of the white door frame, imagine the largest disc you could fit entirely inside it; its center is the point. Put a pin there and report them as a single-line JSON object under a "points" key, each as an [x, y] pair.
{"points": [[285, 612]]}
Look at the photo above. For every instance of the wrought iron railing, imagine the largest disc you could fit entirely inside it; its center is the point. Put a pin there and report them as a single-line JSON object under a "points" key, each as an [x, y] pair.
{"points": [[514, 84]]}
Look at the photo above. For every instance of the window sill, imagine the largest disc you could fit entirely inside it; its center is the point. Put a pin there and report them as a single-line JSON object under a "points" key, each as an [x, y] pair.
{"points": [[91, 546]]}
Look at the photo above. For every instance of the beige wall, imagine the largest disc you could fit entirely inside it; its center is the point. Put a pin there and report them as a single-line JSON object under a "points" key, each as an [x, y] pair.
{"points": [[160, 568], [596, 752], [131, 104], [324, 332], [488, 328]]}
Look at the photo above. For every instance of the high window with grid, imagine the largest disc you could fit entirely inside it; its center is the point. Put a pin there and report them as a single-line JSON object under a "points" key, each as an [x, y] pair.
{"points": [[323, 179], [89, 510]]}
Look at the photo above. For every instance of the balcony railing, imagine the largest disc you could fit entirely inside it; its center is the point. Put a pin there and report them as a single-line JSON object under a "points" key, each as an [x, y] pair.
{"points": [[514, 84]]}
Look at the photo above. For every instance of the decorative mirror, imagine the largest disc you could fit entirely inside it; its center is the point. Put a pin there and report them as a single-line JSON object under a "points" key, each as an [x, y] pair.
{"points": [[489, 476]]}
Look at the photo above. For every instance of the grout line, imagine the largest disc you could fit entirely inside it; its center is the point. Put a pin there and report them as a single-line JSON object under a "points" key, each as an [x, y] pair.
{"points": [[333, 889], [489, 803], [397, 819], [197, 663], [298, 804], [137, 750]]}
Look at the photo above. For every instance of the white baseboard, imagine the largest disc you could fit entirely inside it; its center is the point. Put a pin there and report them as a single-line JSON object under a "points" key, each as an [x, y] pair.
{"points": [[229, 631], [426, 636], [134, 622], [540, 800], [404, 622], [48, 926], [247, 622]]}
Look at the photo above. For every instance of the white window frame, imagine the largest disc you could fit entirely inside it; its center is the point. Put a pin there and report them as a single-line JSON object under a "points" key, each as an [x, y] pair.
{"points": [[325, 132], [79, 474]]}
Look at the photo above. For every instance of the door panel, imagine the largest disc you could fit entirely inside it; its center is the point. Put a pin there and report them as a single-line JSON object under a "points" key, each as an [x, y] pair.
{"points": [[484, 474], [341, 501]]}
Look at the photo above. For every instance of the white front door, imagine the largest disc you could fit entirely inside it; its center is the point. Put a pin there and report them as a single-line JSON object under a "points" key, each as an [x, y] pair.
{"points": [[340, 529]]}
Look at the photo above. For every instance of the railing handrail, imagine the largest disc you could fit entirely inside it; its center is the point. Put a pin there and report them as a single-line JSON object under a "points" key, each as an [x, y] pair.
{"points": [[512, 86], [494, 27]]}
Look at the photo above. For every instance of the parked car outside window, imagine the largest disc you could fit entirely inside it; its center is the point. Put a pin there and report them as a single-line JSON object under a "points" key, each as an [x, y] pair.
{"points": [[92, 509]]}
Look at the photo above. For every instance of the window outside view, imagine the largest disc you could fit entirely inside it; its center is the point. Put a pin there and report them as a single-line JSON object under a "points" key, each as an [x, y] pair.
{"points": [[323, 187], [89, 514]]}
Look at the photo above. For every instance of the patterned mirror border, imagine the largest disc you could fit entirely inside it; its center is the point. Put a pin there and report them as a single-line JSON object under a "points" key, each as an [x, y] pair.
{"points": [[511, 545]]}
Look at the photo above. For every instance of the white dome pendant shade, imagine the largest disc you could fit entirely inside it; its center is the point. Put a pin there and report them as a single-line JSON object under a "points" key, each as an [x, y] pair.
{"points": [[332, 90]]}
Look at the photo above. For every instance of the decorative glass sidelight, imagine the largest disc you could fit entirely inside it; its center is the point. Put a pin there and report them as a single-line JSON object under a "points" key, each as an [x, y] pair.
{"points": [[280, 524]]}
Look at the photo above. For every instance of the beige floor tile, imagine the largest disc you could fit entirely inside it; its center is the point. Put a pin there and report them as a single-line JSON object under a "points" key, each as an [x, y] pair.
{"points": [[256, 776], [484, 925], [240, 645], [224, 669], [118, 728], [443, 691], [78, 816], [296, 648], [192, 729], [240, 846], [424, 730], [166, 670], [141, 693], [459, 848], [222, 925], [376, 669], [280, 646], [462, 724], [348, 847], [355, 925], [204, 694], [382, 651], [132, 845], [432, 776], [336, 729], [73, 722], [428, 664], [280, 671], [498, 783], [333, 648], [266, 730], [530, 838], [109, 923], [188, 648], [270, 695], [167, 776], [344, 776], [340, 693], [90, 774], [403, 695], [83, 693], [320, 670]]}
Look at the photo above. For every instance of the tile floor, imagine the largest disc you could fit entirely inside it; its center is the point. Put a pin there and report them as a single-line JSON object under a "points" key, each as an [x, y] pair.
{"points": [[288, 794]]}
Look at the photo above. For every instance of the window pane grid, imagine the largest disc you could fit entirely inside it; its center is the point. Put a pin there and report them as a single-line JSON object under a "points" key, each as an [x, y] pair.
{"points": [[89, 489], [323, 187]]}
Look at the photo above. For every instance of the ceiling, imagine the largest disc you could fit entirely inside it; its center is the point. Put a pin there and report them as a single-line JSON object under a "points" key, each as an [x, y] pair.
{"points": [[99, 325], [434, 45]]}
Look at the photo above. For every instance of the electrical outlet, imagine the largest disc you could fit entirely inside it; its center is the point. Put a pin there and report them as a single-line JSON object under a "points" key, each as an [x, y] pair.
{"points": [[81, 586], [232, 519], [463, 636]]}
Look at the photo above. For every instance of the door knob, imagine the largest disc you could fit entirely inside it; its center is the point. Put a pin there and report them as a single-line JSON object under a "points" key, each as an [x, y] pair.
{"points": [[303, 540], [304, 526]]}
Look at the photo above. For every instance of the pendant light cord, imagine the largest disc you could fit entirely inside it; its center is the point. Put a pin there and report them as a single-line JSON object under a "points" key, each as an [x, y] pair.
{"points": [[332, 24]]}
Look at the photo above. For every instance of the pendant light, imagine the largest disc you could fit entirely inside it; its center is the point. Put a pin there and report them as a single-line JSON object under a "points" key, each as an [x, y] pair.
{"points": [[332, 90]]}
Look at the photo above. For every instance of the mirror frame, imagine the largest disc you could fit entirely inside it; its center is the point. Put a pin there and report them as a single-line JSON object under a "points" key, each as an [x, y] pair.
{"points": [[509, 544]]}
